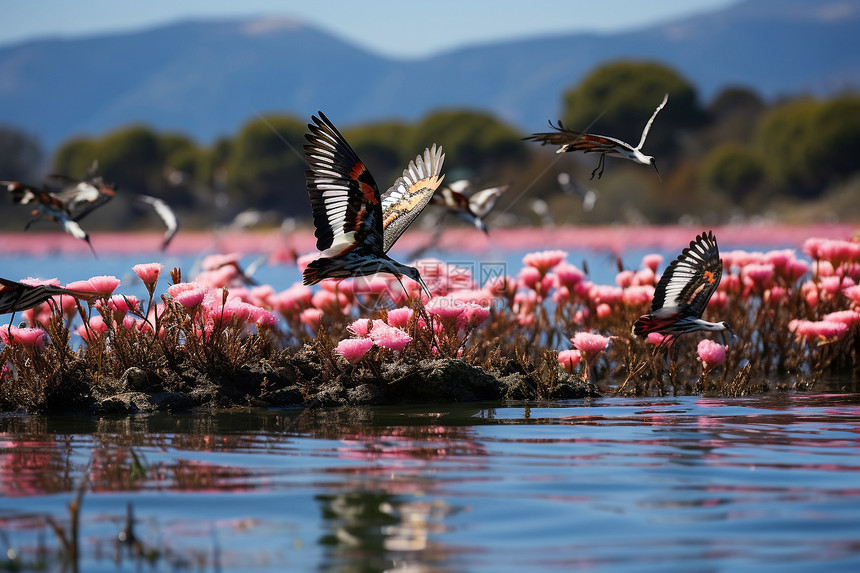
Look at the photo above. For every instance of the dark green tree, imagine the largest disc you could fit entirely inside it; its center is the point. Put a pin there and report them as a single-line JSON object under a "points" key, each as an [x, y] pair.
{"points": [[734, 169], [75, 156], [266, 169], [782, 137]]}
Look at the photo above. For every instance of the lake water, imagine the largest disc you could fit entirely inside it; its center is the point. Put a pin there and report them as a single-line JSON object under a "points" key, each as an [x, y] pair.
{"points": [[683, 484]]}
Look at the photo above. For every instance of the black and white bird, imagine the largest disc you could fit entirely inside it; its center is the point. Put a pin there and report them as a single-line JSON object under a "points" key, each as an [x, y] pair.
{"points": [[459, 199], [355, 226], [167, 215], [683, 292], [570, 140], [17, 296], [65, 202]]}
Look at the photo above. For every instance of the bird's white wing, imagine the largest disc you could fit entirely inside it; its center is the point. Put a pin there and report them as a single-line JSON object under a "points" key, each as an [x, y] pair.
{"points": [[650, 121]]}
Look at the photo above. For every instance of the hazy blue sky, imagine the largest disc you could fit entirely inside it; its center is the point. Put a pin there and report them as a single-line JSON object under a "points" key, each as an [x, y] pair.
{"points": [[391, 27]]}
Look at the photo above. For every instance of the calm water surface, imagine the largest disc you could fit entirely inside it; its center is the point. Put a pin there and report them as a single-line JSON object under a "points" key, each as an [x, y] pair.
{"points": [[681, 484]]}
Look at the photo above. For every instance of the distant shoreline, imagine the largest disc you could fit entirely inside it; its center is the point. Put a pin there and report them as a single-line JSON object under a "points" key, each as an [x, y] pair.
{"points": [[613, 238]]}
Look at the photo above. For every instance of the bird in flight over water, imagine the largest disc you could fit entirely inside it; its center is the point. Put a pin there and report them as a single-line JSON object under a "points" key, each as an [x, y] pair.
{"points": [[355, 226], [570, 140], [683, 292]]}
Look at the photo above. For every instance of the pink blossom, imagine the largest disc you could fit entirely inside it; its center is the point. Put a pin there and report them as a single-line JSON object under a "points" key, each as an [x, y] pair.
{"points": [[293, 299], [529, 277], [711, 353], [353, 349], [190, 298], [123, 303], [818, 329], [33, 337], [262, 317], [657, 339], [446, 308], [261, 294], [589, 344], [311, 317], [148, 273], [100, 285], [568, 275], [606, 293], [360, 327], [645, 277], [652, 261], [603, 310], [624, 278], [474, 315], [760, 273], [849, 318], [173, 290], [853, 293], [812, 247], [638, 295], [389, 337], [400, 317], [569, 360], [38, 282], [543, 261]]}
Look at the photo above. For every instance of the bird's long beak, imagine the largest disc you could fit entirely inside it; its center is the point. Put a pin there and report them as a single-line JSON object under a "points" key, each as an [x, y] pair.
{"points": [[424, 286], [658, 172]]}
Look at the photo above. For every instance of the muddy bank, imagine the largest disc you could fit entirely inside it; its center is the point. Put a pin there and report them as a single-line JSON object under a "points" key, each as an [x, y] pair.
{"points": [[300, 381]]}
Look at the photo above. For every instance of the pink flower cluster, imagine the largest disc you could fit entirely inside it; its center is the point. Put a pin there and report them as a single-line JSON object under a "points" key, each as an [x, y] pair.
{"points": [[368, 333], [711, 354]]}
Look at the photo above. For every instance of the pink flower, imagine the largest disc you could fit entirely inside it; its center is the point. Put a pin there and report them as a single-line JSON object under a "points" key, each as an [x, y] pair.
{"points": [[849, 318], [810, 329], [190, 298], [624, 278], [101, 285], [760, 273], [606, 294], [638, 295], [304, 260], [711, 353], [291, 300], [657, 339], [853, 293], [173, 290], [148, 273], [353, 349], [589, 344], [399, 317], [262, 317], [501, 285], [389, 337], [124, 303], [33, 337], [474, 315], [543, 261], [568, 275], [569, 360], [446, 308], [529, 277], [311, 317], [603, 310], [652, 261], [360, 327]]}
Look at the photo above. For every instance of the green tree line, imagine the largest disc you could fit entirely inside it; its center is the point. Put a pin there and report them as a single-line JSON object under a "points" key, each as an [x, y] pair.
{"points": [[738, 153]]}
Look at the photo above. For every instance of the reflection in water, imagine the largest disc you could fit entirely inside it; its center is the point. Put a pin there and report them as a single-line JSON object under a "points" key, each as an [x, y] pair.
{"points": [[688, 483]]}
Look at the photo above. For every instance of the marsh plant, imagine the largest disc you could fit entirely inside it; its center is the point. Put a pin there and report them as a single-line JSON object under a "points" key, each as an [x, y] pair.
{"points": [[794, 320]]}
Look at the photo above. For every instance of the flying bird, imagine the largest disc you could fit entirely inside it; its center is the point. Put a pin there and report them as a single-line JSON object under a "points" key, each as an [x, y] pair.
{"points": [[570, 140], [66, 206], [355, 228], [457, 198], [684, 290], [167, 215]]}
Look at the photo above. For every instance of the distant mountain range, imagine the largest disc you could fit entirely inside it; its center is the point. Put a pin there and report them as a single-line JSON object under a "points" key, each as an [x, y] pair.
{"points": [[206, 78]]}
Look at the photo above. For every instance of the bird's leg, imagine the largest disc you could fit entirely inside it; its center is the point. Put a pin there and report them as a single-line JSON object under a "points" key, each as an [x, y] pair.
{"points": [[599, 167]]}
